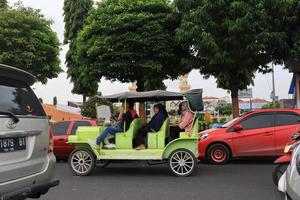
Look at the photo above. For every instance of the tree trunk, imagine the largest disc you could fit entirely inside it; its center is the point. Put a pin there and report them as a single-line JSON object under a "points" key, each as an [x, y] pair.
{"points": [[83, 98], [142, 108], [235, 102]]}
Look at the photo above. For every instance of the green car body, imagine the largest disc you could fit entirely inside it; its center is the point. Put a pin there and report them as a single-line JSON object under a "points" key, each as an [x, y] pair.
{"points": [[157, 147]]}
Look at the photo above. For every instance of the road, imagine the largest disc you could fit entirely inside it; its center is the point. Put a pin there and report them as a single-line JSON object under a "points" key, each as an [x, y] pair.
{"points": [[241, 180]]}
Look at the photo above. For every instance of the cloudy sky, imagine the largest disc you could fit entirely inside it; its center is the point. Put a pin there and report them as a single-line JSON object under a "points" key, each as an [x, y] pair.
{"points": [[61, 86]]}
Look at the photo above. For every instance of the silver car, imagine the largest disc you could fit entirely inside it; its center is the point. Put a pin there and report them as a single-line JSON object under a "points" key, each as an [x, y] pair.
{"points": [[289, 183], [26, 158]]}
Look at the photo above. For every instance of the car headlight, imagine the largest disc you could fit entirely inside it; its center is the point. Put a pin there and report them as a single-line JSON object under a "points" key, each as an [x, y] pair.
{"points": [[291, 147], [203, 136], [298, 163]]}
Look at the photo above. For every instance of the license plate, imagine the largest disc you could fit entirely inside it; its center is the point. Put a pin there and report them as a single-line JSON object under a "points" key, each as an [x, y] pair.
{"points": [[12, 144]]}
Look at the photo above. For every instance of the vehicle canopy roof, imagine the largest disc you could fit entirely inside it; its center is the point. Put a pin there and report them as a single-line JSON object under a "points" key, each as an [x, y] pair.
{"points": [[17, 74], [194, 97]]}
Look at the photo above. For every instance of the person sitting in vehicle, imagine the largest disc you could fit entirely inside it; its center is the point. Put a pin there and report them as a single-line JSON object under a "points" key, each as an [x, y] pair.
{"points": [[153, 126], [186, 121], [118, 127]]}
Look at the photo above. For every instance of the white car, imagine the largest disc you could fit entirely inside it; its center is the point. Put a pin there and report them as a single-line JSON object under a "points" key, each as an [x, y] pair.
{"points": [[289, 183], [27, 161]]}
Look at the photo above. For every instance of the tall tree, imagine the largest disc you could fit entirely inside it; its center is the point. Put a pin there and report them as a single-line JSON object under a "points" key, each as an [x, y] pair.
{"points": [[75, 14], [129, 40], [228, 40], [3, 3], [27, 42]]}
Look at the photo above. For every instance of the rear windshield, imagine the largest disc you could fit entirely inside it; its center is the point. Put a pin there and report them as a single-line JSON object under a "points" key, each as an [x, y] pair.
{"points": [[17, 97]]}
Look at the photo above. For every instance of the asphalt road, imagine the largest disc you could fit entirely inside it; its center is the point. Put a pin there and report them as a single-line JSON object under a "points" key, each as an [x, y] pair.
{"points": [[241, 180]]}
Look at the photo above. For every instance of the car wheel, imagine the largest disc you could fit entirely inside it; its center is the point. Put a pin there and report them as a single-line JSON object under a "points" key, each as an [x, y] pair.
{"points": [[82, 162], [278, 172], [218, 154], [182, 162], [102, 163]]}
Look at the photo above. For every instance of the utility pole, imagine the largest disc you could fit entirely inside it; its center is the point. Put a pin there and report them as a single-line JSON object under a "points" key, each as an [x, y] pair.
{"points": [[273, 83]]}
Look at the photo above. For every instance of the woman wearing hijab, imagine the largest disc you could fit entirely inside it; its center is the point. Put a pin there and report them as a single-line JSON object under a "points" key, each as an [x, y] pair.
{"points": [[186, 121], [153, 126]]}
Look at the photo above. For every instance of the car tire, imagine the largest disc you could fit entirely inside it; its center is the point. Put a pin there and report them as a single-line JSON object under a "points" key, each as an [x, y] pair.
{"points": [[82, 162], [218, 154], [182, 162], [278, 171]]}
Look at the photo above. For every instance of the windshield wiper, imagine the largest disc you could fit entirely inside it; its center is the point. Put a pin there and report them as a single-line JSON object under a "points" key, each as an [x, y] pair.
{"points": [[11, 115]]}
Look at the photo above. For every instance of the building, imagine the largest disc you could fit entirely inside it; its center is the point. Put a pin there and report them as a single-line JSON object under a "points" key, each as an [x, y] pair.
{"points": [[250, 105], [58, 113]]}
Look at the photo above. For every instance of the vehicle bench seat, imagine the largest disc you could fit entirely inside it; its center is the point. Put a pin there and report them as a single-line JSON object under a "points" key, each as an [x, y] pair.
{"points": [[156, 140], [194, 132], [124, 140], [84, 133]]}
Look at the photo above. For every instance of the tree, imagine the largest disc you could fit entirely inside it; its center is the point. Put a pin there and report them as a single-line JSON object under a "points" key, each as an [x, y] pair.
{"points": [[75, 14], [130, 41], [224, 109], [228, 40], [283, 20], [27, 42], [55, 100], [271, 105], [41, 100], [3, 4]]}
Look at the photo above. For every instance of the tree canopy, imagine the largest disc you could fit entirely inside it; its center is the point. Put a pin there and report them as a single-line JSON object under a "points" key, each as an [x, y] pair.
{"points": [[75, 14], [3, 4], [229, 40], [27, 42], [129, 40]]}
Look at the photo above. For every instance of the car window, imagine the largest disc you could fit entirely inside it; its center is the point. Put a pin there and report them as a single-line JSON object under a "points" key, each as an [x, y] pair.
{"points": [[287, 119], [60, 128], [79, 123], [18, 98], [258, 121]]}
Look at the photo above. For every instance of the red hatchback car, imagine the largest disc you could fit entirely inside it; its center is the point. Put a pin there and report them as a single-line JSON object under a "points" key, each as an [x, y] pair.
{"points": [[61, 130], [259, 133]]}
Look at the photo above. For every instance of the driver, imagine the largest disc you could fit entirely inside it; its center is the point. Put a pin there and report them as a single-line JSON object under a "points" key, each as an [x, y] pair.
{"points": [[126, 118]]}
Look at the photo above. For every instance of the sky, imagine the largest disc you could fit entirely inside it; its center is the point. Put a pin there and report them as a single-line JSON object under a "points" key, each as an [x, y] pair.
{"points": [[61, 86]]}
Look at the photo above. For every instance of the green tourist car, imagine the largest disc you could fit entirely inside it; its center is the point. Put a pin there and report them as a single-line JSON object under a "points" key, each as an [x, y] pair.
{"points": [[180, 154]]}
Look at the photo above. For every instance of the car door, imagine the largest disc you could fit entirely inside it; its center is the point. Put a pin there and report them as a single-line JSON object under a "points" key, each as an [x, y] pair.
{"points": [[287, 123], [60, 136], [257, 138]]}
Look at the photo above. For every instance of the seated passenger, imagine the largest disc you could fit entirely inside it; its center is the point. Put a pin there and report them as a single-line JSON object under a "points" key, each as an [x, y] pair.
{"points": [[153, 126], [186, 121], [118, 127]]}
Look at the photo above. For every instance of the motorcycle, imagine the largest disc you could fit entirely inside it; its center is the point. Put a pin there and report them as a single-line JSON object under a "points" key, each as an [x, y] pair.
{"points": [[284, 161]]}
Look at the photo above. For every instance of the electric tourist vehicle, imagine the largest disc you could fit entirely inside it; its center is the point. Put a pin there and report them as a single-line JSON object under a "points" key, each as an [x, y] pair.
{"points": [[180, 154]]}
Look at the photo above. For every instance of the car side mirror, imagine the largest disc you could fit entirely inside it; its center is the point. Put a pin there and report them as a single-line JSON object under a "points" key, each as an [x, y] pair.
{"points": [[238, 128]]}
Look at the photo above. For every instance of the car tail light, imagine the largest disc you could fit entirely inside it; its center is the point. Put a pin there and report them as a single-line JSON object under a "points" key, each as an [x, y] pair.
{"points": [[51, 142]]}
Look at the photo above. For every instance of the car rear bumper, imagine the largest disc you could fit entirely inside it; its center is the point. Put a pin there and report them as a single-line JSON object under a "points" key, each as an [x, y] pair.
{"points": [[32, 185], [30, 191]]}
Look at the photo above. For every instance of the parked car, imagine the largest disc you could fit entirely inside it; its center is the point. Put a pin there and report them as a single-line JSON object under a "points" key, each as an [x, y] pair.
{"points": [[289, 183], [27, 162], [61, 130], [259, 133]]}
